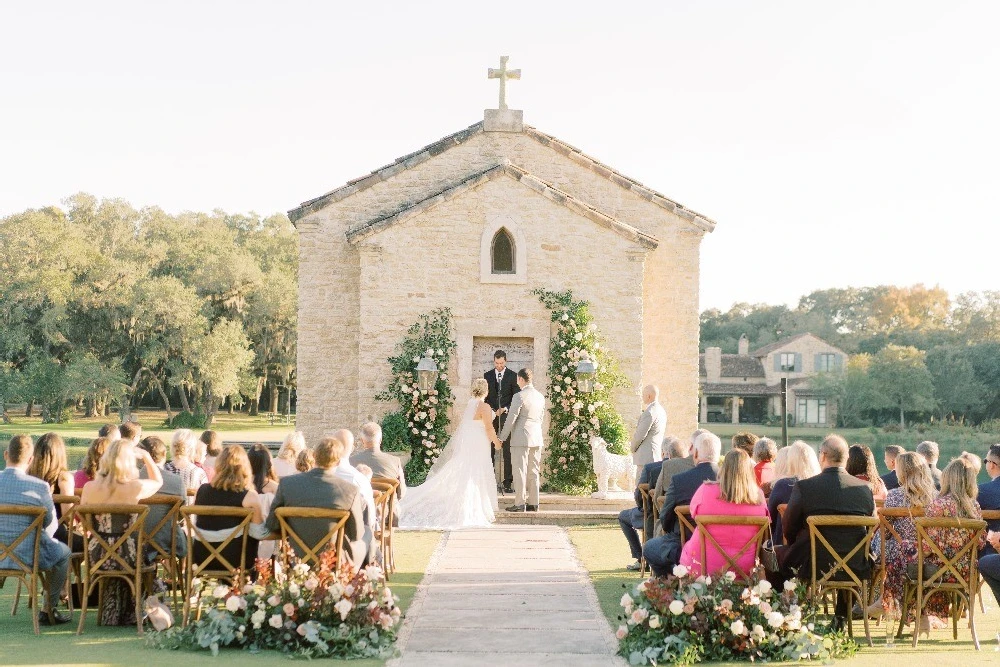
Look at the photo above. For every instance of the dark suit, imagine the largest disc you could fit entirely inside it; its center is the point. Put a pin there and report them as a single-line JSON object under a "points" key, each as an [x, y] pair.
{"points": [[833, 491], [173, 485], [663, 552], [989, 499], [891, 481], [630, 520], [324, 489], [498, 397]]}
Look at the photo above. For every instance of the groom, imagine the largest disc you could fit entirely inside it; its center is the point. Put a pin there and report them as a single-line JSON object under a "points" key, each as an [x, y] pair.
{"points": [[503, 386], [524, 426]]}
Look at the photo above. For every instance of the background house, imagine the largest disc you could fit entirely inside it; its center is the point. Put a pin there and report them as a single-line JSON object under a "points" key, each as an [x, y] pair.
{"points": [[745, 387]]}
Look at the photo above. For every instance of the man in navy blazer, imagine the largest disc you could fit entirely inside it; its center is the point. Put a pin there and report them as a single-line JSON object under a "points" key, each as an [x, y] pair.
{"points": [[663, 552], [890, 480], [631, 520], [989, 499]]}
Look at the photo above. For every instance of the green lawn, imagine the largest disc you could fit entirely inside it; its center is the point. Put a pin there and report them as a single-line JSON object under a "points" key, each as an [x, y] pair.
{"points": [[604, 552], [121, 646]]}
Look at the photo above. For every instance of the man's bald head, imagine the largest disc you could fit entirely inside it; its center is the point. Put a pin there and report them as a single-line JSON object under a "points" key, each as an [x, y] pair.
{"points": [[346, 437], [650, 393]]}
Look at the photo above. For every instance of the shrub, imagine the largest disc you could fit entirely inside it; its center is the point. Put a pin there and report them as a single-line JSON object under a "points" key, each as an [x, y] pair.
{"points": [[395, 432], [187, 420]]}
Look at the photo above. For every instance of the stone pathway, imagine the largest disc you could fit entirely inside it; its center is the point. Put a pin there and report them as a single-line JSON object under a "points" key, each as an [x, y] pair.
{"points": [[506, 595]]}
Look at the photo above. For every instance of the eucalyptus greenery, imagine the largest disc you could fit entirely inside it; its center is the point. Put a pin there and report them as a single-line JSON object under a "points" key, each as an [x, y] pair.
{"points": [[426, 412], [575, 417]]}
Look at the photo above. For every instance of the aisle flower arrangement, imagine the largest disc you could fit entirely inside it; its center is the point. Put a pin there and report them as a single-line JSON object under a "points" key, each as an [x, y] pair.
{"points": [[683, 620], [574, 416], [307, 612], [426, 412]]}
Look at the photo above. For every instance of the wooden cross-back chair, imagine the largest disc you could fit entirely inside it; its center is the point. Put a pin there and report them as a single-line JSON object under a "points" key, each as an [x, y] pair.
{"points": [[166, 556], [948, 577], [107, 561], [841, 577], [647, 508], [387, 509], [731, 562], [334, 536], [24, 572], [684, 522], [70, 522], [215, 565]]}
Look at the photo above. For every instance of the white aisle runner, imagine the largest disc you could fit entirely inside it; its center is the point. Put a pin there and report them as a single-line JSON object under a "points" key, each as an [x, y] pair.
{"points": [[506, 595]]}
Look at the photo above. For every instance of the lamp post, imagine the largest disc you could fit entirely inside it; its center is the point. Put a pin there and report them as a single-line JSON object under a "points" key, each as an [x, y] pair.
{"points": [[586, 373], [427, 373]]}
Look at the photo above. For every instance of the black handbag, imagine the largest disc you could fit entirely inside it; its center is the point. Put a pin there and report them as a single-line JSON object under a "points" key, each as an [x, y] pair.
{"points": [[768, 557]]}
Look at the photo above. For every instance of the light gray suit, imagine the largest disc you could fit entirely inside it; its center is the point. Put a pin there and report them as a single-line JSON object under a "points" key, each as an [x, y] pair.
{"points": [[524, 426], [647, 443]]}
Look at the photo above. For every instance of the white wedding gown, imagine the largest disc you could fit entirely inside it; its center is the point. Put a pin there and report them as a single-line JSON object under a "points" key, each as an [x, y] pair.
{"points": [[460, 490]]}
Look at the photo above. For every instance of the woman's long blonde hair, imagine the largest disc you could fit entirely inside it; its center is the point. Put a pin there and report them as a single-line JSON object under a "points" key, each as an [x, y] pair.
{"points": [[796, 460], [294, 443], [118, 463], [232, 470], [958, 480], [915, 479], [736, 480]]}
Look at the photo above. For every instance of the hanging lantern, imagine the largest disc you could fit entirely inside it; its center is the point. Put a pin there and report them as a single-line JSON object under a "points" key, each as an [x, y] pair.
{"points": [[586, 374], [427, 372]]}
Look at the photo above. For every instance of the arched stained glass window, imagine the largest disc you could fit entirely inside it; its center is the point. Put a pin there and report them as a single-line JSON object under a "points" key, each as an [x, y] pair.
{"points": [[502, 252]]}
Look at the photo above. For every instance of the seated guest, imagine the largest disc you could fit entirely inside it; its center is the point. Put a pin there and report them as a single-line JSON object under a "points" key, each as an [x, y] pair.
{"points": [[305, 461], [213, 447], [832, 491], [17, 487], [185, 446], [861, 464], [989, 492], [795, 462], [265, 482], [172, 486], [91, 462], [118, 482], [930, 451], [676, 458], [322, 487], [110, 431], [631, 520], [232, 486], [382, 464], [890, 480], [284, 463], [351, 474], [746, 441], [131, 431], [48, 463], [956, 500], [764, 452], [916, 489], [974, 461], [664, 552], [734, 494]]}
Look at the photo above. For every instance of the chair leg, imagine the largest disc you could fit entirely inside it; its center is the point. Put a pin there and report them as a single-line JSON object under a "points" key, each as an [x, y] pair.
{"points": [[972, 623], [83, 604], [17, 599]]}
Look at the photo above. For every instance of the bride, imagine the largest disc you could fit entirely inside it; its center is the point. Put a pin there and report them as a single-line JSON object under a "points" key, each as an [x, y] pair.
{"points": [[460, 490]]}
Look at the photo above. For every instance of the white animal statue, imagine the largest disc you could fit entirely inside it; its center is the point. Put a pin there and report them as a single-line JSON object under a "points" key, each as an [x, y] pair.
{"points": [[617, 469]]}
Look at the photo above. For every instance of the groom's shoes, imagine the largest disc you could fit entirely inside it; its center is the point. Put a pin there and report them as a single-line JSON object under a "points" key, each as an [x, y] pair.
{"points": [[531, 508], [518, 508], [507, 488]]}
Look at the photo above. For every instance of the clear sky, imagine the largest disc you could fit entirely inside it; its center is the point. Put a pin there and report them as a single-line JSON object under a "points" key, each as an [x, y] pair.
{"points": [[835, 143]]}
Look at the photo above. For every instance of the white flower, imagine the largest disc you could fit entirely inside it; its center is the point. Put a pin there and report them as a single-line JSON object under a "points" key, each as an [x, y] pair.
{"points": [[639, 615], [790, 585], [293, 589], [343, 608], [764, 587], [440, 353], [775, 619], [416, 360], [301, 569], [233, 604], [275, 621], [564, 317], [626, 601], [258, 617], [737, 627], [654, 621], [765, 608], [758, 632], [578, 336], [676, 607], [196, 582], [220, 592], [680, 571], [429, 352]]}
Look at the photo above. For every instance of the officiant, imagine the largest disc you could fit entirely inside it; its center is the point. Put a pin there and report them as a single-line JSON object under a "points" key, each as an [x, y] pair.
{"points": [[503, 386]]}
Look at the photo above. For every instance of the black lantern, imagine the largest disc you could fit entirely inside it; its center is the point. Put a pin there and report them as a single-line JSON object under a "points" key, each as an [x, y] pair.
{"points": [[586, 374], [427, 372]]}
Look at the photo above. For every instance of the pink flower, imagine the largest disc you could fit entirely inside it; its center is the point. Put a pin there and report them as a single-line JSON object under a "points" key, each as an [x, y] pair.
{"points": [[289, 609], [622, 632], [301, 630]]}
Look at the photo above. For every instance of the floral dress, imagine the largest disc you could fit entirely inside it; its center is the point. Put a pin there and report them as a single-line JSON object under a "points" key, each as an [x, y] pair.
{"points": [[899, 554], [119, 604], [950, 542]]}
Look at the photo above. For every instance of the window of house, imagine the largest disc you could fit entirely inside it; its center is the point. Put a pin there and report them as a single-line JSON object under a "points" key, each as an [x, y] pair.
{"points": [[811, 411], [825, 363], [787, 361], [502, 252]]}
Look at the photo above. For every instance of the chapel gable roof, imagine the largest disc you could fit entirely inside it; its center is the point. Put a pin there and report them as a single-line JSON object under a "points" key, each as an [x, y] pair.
{"points": [[441, 145], [550, 192]]}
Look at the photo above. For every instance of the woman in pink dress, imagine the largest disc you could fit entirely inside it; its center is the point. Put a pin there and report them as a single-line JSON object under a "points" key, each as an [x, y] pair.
{"points": [[734, 494]]}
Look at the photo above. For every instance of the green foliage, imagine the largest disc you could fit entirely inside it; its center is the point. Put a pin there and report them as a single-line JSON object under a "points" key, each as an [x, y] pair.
{"points": [[395, 432], [900, 380], [185, 419], [426, 413], [575, 417]]}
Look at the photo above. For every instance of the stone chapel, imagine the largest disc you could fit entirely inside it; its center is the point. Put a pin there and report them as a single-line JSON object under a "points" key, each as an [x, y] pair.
{"points": [[475, 222]]}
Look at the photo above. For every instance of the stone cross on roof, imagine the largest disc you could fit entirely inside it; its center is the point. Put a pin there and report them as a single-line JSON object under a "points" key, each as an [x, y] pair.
{"points": [[503, 74]]}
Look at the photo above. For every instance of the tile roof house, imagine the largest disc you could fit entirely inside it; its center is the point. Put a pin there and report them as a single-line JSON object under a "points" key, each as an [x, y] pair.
{"points": [[746, 387]]}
